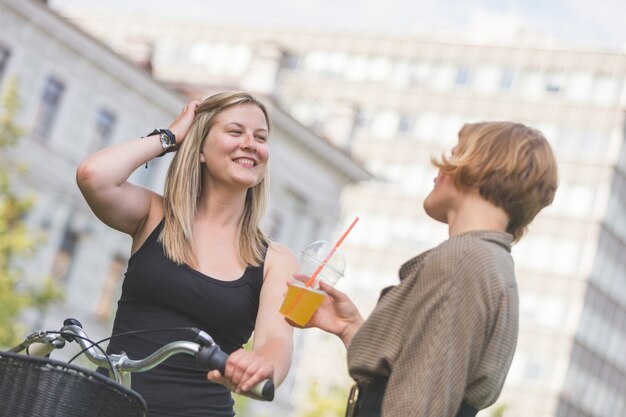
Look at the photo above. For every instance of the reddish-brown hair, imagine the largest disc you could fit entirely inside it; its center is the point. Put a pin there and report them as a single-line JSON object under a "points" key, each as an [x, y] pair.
{"points": [[511, 164]]}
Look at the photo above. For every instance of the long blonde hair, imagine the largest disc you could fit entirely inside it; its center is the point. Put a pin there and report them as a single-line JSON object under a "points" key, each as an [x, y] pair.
{"points": [[183, 186]]}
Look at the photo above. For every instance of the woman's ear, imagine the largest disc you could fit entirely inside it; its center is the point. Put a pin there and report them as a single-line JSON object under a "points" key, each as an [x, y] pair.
{"points": [[202, 157]]}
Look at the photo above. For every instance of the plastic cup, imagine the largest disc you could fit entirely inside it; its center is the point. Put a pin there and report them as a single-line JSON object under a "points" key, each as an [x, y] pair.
{"points": [[301, 302]]}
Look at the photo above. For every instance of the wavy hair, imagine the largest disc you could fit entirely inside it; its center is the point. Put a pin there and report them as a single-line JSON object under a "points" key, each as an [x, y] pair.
{"points": [[183, 186], [511, 164]]}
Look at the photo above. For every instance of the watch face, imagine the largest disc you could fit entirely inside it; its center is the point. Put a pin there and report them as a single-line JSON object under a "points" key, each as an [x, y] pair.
{"points": [[165, 140]]}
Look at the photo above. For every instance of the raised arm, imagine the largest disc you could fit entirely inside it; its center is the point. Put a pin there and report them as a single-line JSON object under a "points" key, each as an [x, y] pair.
{"points": [[103, 177]]}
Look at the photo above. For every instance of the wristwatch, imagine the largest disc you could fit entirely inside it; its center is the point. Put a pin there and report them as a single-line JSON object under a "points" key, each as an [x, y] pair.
{"points": [[168, 139]]}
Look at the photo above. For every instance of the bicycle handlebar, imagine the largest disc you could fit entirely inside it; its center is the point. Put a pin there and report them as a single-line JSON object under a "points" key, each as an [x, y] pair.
{"points": [[207, 353]]}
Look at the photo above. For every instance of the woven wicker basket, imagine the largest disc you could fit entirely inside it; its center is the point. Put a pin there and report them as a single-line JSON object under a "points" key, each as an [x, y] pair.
{"points": [[37, 387]]}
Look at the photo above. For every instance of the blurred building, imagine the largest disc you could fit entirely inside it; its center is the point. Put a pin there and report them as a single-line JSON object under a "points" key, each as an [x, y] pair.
{"points": [[79, 96], [393, 103]]}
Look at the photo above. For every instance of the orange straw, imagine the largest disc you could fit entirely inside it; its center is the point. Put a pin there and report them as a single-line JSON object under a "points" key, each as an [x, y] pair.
{"points": [[332, 251]]}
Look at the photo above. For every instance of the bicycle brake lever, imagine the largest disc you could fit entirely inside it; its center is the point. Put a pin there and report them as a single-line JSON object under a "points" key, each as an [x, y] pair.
{"points": [[30, 339], [203, 338], [39, 343]]}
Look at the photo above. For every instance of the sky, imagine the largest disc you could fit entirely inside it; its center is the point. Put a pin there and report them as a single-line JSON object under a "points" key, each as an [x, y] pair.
{"points": [[594, 22]]}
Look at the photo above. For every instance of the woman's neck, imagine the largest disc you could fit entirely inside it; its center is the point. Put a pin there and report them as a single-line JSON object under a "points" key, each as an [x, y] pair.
{"points": [[475, 213], [221, 207]]}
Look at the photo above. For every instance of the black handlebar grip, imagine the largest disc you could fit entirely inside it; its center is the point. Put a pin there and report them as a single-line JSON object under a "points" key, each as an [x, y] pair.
{"points": [[267, 389], [212, 357]]}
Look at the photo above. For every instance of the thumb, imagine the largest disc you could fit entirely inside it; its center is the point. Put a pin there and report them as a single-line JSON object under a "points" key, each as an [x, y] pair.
{"points": [[214, 375]]}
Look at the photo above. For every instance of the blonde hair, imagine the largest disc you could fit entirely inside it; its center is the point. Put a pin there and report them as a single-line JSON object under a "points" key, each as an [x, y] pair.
{"points": [[511, 164], [183, 186]]}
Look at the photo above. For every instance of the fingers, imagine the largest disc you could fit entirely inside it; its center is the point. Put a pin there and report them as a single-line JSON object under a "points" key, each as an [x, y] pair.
{"points": [[185, 119], [297, 279], [263, 372], [190, 106], [334, 293], [216, 376], [246, 369]]}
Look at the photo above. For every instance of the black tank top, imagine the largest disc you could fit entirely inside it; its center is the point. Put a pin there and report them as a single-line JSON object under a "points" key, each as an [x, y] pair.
{"points": [[159, 294]]}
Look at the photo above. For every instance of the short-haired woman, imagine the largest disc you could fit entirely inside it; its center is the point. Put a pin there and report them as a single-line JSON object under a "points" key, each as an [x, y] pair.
{"points": [[440, 343]]}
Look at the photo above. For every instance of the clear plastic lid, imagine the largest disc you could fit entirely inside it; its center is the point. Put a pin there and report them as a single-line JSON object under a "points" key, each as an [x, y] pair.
{"points": [[336, 264]]}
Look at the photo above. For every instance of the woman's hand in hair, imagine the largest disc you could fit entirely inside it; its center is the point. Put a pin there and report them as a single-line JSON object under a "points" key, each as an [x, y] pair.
{"points": [[181, 125]]}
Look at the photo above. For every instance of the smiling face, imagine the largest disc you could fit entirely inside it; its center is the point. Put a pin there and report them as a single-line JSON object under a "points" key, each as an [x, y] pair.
{"points": [[235, 152]]}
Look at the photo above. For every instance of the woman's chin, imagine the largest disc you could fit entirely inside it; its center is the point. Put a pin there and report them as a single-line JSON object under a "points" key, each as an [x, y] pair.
{"points": [[435, 214]]}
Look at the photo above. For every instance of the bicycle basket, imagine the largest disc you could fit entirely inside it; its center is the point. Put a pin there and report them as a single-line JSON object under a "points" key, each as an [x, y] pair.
{"points": [[33, 387]]}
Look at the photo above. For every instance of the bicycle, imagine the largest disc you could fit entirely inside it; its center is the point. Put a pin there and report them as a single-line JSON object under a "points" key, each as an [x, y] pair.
{"points": [[41, 386]]}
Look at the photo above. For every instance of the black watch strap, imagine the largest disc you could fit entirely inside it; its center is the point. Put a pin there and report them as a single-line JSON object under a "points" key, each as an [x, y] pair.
{"points": [[167, 143]]}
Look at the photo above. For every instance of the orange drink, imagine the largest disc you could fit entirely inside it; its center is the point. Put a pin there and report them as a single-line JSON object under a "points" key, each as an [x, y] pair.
{"points": [[300, 303]]}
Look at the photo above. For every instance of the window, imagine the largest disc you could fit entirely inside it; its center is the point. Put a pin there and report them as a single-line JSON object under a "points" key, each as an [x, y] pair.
{"points": [[4, 58], [580, 199], [533, 84], [443, 77], [428, 126], [50, 100], [276, 224], [385, 124], [605, 90], [337, 62], [290, 60], [506, 82], [294, 223], [422, 72], [357, 68], [199, 53], [579, 86], [64, 258], [555, 81], [485, 79], [219, 60], [240, 56], [111, 288], [380, 69], [314, 61], [532, 371], [463, 75], [401, 74], [405, 123], [105, 122]]}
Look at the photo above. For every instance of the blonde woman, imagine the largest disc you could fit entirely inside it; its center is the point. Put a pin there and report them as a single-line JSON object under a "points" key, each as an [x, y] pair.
{"points": [[440, 343], [198, 258]]}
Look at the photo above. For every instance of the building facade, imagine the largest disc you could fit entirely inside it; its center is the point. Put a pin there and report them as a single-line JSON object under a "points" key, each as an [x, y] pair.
{"points": [[79, 96], [394, 102]]}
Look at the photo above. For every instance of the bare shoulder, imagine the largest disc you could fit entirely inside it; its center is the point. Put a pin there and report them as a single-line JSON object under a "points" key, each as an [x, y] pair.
{"points": [[280, 260], [279, 249]]}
